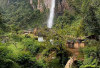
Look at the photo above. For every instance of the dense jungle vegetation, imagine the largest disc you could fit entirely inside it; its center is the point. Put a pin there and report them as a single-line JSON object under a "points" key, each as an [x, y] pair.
{"points": [[18, 50]]}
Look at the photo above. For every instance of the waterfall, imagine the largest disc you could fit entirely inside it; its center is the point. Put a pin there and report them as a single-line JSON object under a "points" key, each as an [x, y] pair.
{"points": [[51, 16], [8, 2]]}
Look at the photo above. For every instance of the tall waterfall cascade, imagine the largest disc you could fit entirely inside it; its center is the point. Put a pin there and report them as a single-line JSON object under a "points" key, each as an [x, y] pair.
{"points": [[51, 16]]}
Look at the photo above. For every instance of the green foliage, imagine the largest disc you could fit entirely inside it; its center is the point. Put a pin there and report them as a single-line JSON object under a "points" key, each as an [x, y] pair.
{"points": [[20, 15], [55, 64], [91, 55], [16, 38], [82, 19], [6, 62], [2, 25], [19, 56], [32, 46]]}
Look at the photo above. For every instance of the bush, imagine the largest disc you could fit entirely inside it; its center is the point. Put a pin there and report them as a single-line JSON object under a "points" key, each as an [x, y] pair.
{"points": [[91, 55]]}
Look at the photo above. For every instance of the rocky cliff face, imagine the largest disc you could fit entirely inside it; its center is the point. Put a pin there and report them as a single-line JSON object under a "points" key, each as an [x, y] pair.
{"points": [[43, 4], [61, 5]]}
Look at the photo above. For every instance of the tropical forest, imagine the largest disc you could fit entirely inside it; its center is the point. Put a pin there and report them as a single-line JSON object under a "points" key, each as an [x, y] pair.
{"points": [[49, 33]]}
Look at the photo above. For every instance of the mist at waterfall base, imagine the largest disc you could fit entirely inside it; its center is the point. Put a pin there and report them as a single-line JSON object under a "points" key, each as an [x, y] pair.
{"points": [[51, 16]]}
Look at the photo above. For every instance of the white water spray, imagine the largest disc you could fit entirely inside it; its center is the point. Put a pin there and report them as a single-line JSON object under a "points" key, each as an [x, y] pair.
{"points": [[51, 16]]}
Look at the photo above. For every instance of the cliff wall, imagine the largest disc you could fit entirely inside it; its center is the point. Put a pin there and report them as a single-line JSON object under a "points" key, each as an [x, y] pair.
{"points": [[61, 5]]}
